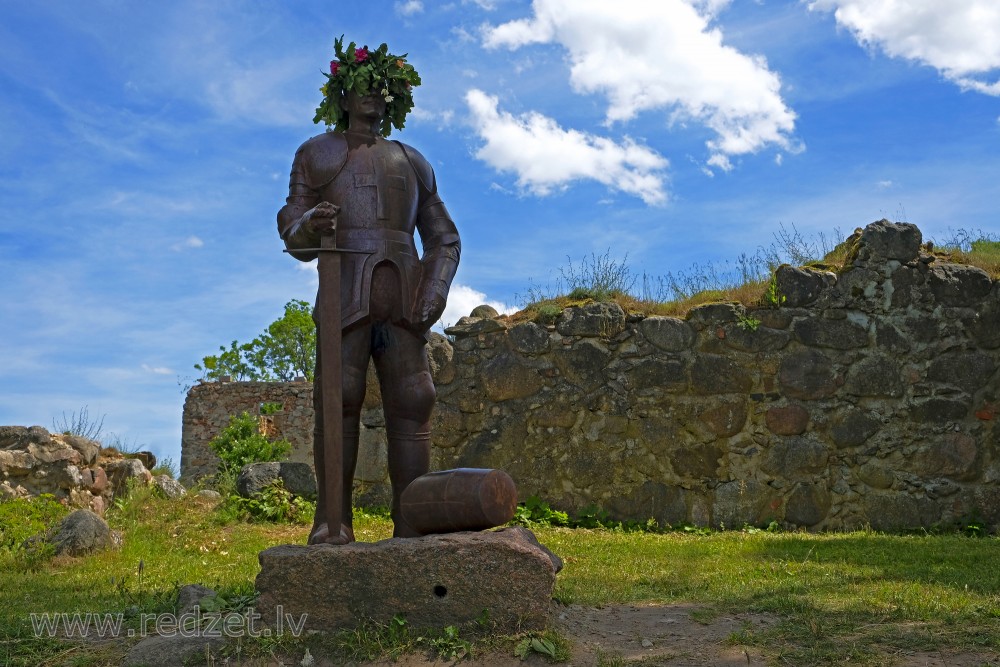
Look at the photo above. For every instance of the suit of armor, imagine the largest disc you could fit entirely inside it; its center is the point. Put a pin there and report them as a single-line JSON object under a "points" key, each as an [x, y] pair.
{"points": [[386, 193]]}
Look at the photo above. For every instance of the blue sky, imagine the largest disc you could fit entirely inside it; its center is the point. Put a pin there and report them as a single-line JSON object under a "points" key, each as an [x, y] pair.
{"points": [[146, 146]]}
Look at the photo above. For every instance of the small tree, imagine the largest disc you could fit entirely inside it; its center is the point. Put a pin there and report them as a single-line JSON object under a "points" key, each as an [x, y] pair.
{"points": [[286, 350], [242, 442]]}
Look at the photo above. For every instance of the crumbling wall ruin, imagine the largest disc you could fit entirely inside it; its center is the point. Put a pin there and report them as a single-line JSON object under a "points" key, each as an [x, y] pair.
{"points": [[868, 396]]}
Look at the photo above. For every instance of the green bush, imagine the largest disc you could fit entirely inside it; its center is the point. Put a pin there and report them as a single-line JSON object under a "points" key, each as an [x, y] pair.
{"points": [[242, 442], [274, 503], [536, 511]]}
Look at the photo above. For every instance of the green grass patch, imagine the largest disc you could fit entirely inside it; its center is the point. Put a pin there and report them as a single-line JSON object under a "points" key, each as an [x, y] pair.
{"points": [[841, 598], [837, 598]]}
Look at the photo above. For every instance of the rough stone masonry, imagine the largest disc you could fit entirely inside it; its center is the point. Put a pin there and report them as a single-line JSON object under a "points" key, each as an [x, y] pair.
{"points": [[869, 396]]}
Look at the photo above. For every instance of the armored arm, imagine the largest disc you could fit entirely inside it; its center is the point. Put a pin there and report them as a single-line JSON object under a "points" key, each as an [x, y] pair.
{"points": [[305, 217], [440, 241], [295, 214], [442, 248]]}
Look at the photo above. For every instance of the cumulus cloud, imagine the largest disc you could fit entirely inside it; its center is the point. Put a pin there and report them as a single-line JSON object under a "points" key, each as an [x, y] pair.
{"points": [[409, 8], [462, 299], [959, 38], [661, 56], [546, 157]]}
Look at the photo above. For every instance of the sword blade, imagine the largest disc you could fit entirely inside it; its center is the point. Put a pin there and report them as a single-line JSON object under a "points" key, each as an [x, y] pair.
{"points": [[331, 385]]}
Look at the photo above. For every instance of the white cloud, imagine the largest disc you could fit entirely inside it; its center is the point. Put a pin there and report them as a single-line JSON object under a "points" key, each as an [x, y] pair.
{"points": [[710, 7], [409, 8], [720, 162], [545, 157], [189, 242], [959, 38], [661, 56], [884, 185], [157, 370], [488, 5], [438, 118], [462, 299], [462, 34]]}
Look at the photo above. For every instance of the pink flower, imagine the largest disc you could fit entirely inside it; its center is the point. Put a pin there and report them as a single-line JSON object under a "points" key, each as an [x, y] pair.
{"points": [[361, 55], [334, 67]]}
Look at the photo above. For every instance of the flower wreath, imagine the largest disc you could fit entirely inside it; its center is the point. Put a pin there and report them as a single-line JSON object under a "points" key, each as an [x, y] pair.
{"points": [[365, 72]]}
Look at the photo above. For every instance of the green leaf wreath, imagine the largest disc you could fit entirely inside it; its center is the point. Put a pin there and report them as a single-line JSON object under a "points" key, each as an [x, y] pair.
{"points": [[367, 72]]}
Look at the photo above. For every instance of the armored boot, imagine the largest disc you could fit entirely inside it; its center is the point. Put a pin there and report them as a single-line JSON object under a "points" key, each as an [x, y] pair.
{"points": [[320, 530], [409, 458]]}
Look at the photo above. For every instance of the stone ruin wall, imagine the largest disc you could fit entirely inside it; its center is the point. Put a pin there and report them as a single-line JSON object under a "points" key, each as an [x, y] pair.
{"points": [[869, 397], [74, 470], [209, 406]]}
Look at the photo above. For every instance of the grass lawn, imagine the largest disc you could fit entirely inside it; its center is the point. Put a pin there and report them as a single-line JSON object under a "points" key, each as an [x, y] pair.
{"points": [[853, 597]]}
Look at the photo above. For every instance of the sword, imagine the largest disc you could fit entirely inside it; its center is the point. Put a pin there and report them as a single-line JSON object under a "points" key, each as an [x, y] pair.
{"points": [[332, 379]]}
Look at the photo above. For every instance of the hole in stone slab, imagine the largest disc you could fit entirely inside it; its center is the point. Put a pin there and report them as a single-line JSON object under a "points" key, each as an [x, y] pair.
{"points": [[440, 591]]}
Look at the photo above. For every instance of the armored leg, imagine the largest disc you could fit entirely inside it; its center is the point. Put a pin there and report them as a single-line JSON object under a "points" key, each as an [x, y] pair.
{"points": [[407, 400], [354, 360]]}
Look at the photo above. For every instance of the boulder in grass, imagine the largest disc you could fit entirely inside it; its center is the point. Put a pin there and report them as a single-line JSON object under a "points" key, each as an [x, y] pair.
{"points": [[297, 478], [172, 650], [191, 596], [169, 487], [79, 534], [122, 470]]}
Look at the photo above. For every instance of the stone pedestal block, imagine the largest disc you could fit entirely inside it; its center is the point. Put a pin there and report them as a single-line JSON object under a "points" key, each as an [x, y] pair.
{"points": [[432, 581]]}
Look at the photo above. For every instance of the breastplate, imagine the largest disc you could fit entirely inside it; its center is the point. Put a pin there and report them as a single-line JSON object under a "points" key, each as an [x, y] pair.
{"points": [[376, 189]]}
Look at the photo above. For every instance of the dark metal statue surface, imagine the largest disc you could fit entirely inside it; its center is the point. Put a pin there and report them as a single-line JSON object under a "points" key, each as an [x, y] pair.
{"points": [[357, 200]]}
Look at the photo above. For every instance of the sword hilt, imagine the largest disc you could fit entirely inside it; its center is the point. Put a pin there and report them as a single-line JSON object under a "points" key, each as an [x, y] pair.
{"points": [[328, 241]]}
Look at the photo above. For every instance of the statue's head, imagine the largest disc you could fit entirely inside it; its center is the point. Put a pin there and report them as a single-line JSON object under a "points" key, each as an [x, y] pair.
{"points": [[359, 74]]}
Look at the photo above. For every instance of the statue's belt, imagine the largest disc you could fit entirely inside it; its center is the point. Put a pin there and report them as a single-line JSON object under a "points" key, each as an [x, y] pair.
{"points": [[374, 235], [367, 241]]}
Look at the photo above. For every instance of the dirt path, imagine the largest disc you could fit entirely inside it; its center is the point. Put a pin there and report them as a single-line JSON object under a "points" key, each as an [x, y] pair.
{"points": [[667, 635], [656, 634]]}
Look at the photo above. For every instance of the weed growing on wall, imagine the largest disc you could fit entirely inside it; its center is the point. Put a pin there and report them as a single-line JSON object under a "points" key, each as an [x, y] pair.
{"points": [[79, 423], [748, 280], [599, 277], [166, 466], [974, 247]]}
